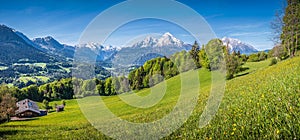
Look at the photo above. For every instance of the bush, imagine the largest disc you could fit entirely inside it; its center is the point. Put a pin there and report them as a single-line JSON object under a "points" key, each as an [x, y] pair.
{"points": [[46, 105], [63, 102], [273, 62]]}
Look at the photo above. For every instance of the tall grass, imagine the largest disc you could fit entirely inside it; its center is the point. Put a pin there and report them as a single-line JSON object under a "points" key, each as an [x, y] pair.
{"points": [[264, 104]]}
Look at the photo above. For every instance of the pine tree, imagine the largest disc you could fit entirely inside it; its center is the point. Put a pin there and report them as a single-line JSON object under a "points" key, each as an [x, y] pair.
{"points": [[194, 53]]}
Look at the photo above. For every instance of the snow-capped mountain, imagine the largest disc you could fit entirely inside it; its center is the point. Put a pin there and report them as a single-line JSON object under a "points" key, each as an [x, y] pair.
{"points": [[149, 48], [103, 52], [169, 40], [50, 45], [237, 45], [166, 40], [96, 47], [147, 42]]}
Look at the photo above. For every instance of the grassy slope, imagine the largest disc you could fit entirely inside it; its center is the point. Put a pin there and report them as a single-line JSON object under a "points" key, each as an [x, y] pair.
{"points": [[262, 104], [254, 66]]}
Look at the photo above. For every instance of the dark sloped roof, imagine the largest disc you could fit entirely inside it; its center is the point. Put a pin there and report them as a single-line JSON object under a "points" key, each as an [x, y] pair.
{"points": [[27, 105], [60, 106]]}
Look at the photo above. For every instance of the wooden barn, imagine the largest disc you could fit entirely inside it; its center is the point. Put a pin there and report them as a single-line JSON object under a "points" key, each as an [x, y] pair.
{"points": [[60, 108], [27, 108]]}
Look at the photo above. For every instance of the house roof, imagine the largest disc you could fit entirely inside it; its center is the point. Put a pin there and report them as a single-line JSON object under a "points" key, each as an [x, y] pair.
{"points": [[60, 106], [27, 105]]}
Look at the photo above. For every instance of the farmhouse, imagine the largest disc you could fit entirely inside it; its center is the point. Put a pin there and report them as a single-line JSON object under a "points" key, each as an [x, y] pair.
{"points": [[27, 108]]}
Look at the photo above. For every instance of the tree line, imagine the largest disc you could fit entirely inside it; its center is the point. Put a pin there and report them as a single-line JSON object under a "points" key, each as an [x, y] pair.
{"points": [[286, 30]]}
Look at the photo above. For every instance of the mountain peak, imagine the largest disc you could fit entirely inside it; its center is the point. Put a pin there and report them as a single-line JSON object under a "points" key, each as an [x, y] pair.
{"points": [[169, 40], [166, 40], [48, 43], [237, 45], [5, 27], [167, 34], [49, 38], [91, 45]]}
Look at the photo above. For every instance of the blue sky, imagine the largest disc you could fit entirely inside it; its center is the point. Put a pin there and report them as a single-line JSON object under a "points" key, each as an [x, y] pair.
{"points": [[65, 20]]}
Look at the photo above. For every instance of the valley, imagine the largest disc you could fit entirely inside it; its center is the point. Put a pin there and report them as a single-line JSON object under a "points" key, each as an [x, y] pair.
{"points": [[141, 69], [249, 109]]}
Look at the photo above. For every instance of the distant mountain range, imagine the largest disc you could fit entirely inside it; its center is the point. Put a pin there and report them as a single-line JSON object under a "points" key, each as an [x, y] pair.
{"points": [[46, 57], [102, 53], [237, 45], [149, 48], [47, 47], [16, 49]]}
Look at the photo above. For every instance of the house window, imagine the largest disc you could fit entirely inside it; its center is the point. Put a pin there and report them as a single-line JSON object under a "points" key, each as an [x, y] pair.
{"points": [[30, 104]]}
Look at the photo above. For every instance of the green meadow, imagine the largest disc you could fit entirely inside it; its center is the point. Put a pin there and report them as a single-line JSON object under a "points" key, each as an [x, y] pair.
{"points": [[25, 79], [263, 102]]}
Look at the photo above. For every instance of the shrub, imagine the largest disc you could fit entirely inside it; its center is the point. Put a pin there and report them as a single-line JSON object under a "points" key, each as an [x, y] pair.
{"points": [[63, 102], [273, 62]]}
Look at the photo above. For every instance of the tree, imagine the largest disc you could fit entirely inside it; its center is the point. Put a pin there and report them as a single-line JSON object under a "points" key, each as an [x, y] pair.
{"points": [[138, 77], [276, 26], [194, 53], [262, 56], [46, 104], [89, 87], [203, 59], [32, 92], [232, 66], [7, 103], [253, 57], [278, 52], [215, 52], [63, 102], [101, 88], [291, 27], [108, 86], [232, 63]]}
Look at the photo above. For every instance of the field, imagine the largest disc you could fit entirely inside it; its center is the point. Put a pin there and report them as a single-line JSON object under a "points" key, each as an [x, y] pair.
{"points": [[264, 104], [25, 79], [254, 66]]}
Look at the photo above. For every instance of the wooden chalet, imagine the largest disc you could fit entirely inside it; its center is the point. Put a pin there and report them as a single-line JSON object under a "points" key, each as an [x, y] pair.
{"points": [[27, 108]]}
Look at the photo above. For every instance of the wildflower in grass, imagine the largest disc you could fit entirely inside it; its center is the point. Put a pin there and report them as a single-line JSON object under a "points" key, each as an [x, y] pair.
{"points": [[232, 133], [277, 131]]}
